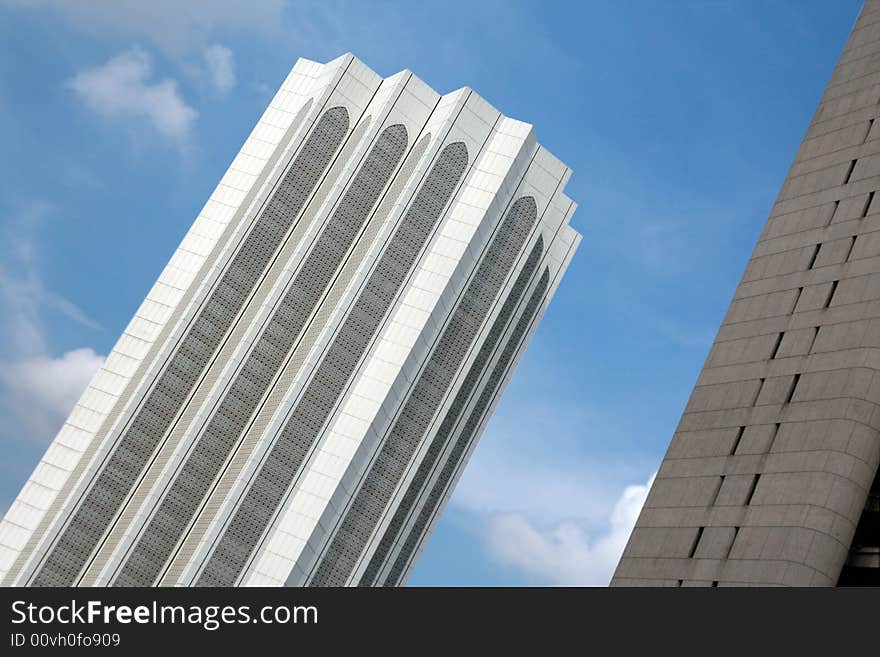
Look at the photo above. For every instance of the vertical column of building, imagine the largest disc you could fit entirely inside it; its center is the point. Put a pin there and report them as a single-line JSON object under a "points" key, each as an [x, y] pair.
{"points": [[62, 471], [769, 470]]}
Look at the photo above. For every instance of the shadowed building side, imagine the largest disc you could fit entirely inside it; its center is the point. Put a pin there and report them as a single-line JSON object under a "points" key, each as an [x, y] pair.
{"points": [[768, 478]]}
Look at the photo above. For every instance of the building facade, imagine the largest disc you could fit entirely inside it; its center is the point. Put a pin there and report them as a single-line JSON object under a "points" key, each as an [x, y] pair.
{"points": [[295, 399], [771, 476]]}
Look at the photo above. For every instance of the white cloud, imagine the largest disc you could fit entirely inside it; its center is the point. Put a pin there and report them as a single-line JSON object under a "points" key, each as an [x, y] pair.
{"points": [[121, 88], [566, 553], [545, 491], [47, 387], [220, 65], [185, 34]]}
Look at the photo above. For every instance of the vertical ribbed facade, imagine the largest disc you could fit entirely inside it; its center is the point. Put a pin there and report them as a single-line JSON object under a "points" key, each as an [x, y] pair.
{"points": [[771, 476], [296, 397]]}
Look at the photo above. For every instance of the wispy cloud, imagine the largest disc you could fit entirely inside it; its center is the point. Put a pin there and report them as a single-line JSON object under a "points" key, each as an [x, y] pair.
{"points": [[185, 34], [566, 553], [37, 389], [175, 28], [122, 89], [23, 294], [220, 64]]}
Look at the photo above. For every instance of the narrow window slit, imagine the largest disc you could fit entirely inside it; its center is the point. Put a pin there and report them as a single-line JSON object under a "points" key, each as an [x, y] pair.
{"points": [[696, 542], [867, 205], [776, 345], [831, 294], [868, 133], [814, 256], [833, 213], [717, 490], [752, 487], [849, 172], [797, 298], [739, 435], [794, 383], [852, 243], [813, 340], [733, 540], [773, 439], [758, 393]]}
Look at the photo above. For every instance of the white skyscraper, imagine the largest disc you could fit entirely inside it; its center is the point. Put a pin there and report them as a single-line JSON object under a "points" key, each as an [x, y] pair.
{"points": [[299, 392]]}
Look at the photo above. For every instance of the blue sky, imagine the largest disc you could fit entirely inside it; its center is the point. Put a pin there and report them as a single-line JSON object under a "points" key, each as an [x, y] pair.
{"points": [[678, 118]]}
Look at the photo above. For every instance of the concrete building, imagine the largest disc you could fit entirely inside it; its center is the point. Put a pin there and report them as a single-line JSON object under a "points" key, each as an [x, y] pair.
{"points": [[771, 476], [299, 392]]}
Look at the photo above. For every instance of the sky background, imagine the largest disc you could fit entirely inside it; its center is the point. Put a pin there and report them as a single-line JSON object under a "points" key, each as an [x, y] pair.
{"points": [[679, 120]]}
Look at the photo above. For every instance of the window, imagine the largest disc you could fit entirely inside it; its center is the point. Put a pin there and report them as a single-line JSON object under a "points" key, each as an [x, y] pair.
{"points": [[717, 490], [758, 393], [852, 243], [732, 541], [814, 256], [794, 383], [752, 487], [867, 204], [739, 435], [696, 542], [813, 339], [849, 172], [833, 212], [831, 294], [776, 345]]}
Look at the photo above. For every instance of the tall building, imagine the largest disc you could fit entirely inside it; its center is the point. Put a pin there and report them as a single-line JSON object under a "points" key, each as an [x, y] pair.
{"points": [[771, 476], [299, 392]]}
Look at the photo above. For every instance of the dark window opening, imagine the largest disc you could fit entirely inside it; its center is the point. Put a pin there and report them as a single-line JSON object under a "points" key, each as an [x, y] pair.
{"points": [[813, 340], [833, 212], [831, 294], [773, 439], [758, 393], [797, 298], [717, 490], [752, 487], [732, 541], [739, 435], [867, 205], [852, 243], [794, 383], [776, 345], [814, 256], [849, 172], [696, 542]]}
